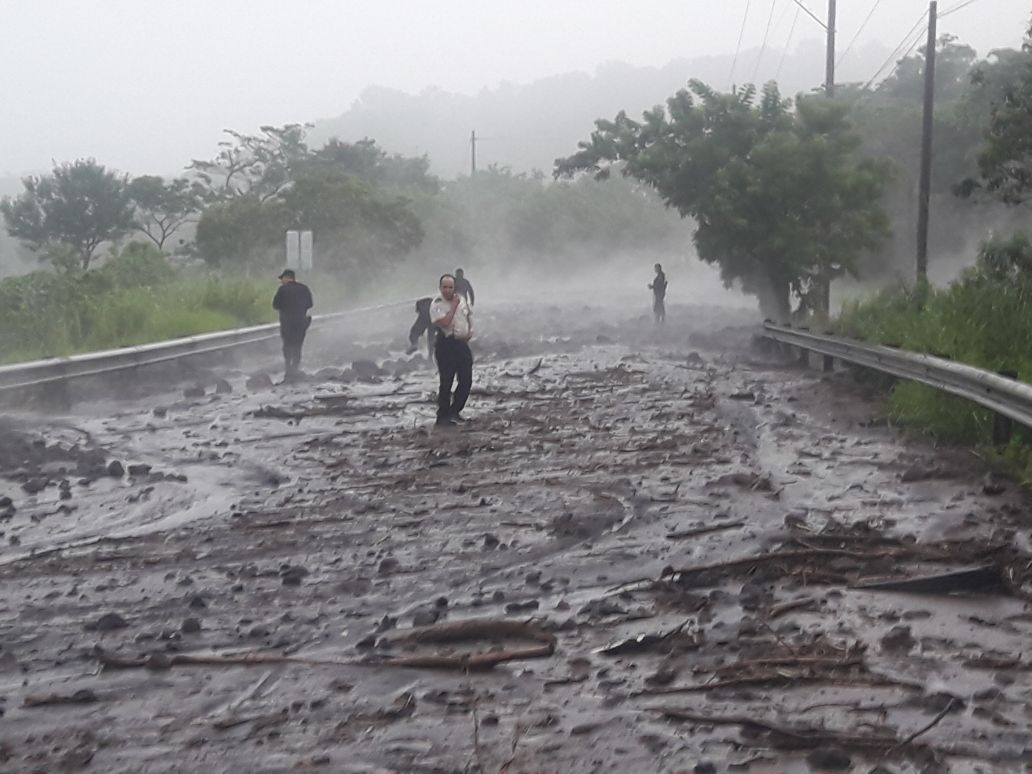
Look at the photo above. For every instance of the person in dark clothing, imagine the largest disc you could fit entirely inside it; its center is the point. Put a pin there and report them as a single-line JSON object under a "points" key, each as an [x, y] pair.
{"points": [[463, 288], [422, 324], [292, 301], [658, 288], [451, 315]]}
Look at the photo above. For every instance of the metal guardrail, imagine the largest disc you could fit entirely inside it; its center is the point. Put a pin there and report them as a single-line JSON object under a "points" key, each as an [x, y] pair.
{"points": [[41, 372], [1007, 397]]}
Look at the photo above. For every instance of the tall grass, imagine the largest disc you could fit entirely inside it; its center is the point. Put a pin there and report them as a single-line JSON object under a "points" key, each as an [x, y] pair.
{"points": [[982, 319], [135, 298]]}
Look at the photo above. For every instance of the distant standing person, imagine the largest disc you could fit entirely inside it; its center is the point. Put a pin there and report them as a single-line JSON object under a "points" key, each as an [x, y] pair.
{"points": [[292, 301], [453, 318], [658, 288], [463, 287], [421, 325]]}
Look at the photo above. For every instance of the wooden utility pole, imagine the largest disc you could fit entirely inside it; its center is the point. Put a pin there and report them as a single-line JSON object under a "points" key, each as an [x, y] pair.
{"points": [[926, 148], [829, 54], [473, 153]]}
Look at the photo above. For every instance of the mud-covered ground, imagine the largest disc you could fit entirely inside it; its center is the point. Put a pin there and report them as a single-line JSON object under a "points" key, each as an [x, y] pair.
{"points": [[686, 518]]}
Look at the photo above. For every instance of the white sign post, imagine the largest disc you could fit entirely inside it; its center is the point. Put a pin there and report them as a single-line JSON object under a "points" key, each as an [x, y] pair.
{"points": [[306, 251], [299, 250]]}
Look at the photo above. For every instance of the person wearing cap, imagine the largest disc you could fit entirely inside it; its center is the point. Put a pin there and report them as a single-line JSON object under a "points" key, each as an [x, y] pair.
{"points": [[292, 301], [451, 315]]}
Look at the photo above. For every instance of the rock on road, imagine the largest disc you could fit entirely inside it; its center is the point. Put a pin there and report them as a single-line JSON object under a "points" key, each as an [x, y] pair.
{"points": [[688, 517]]}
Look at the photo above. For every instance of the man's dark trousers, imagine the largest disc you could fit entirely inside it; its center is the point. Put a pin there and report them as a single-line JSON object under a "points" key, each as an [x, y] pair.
{"points": [[454, 359], [292, 331]]}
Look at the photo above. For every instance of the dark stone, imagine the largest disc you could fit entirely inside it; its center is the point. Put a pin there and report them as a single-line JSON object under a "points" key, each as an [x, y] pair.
{"points": [[426, 617], [258, 632], [191, 626], [490, 541], [367, 642], [139, 469], [367, 369], [898, 638], [194, 392], [35, 485], [222, 387], [108, 622], [197, 602], [829, 759], [441, 602], [521, 607], [385, 623], [160, 412], [259, 382], [705, 767], [292, 576], [388, 565], [5, 501], [115, 469]]}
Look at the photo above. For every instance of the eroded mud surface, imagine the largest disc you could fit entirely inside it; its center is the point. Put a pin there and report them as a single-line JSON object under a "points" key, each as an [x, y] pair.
{"points": [[688, 517]]}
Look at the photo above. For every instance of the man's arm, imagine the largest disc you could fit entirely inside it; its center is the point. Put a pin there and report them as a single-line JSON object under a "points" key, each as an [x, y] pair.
{"points": [[445, 319], [309, 302], [277, 300], [472, 295]]}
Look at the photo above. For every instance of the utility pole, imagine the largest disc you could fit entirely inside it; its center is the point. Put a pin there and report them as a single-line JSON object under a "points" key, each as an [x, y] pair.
{"points": [[829, 56], [473, 153], [926, 148], [829, 90]]}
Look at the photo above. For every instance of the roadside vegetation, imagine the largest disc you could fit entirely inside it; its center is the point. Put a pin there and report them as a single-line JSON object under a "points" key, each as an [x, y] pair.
{"points": [[135, 297]]}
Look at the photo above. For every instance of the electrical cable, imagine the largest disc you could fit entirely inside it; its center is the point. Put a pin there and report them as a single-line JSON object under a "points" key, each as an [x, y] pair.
{"points": [[956, 8], [741, 34], [894, 56], [766, 34], [788, 44], [849, 47], [811, 14]]}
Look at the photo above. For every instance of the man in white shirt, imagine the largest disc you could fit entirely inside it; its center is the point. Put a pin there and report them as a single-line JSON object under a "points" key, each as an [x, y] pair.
{"points": [[451, 315]]}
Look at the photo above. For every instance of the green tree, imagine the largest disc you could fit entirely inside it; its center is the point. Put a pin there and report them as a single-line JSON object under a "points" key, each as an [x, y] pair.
{"points": [[160, 208], [80, 205], [259, 165], [1005, 161], [779, 200]]}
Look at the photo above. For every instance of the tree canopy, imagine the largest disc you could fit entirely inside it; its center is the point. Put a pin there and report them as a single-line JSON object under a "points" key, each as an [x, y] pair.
{"points": [[79, 206], [779, 199]]}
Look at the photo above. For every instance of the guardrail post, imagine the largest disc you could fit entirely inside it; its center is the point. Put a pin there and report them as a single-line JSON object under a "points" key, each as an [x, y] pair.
{"points": [[804, 357], [828, 364], [1003, 427]]}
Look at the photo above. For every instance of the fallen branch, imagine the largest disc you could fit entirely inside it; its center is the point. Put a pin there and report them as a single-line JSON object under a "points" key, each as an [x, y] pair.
{"points": [[82, 696], [786, 736], [472, 630], [689, 533]]}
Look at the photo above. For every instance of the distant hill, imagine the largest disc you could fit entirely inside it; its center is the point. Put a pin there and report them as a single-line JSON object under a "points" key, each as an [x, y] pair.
{"points": [[526, 127]]}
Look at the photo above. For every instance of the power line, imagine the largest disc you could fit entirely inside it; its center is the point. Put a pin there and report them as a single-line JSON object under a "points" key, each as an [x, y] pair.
{"points": [[766, 34], [741, 34], [810, 13], [894, 56], [788, 44], [956, 8], [849, 46]]}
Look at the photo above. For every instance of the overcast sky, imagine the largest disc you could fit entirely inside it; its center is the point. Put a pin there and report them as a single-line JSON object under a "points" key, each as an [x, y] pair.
{"points": [[145, 85]]}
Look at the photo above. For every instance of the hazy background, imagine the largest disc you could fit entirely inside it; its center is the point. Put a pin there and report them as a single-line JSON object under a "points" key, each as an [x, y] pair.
{"points": [[146, 85]]}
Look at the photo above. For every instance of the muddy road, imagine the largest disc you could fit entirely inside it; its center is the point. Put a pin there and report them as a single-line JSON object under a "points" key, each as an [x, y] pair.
{"points": [[667, 540]]}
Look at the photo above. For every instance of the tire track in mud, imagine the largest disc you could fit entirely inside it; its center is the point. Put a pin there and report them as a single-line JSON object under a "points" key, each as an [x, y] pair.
{"points": [[634, 443]]}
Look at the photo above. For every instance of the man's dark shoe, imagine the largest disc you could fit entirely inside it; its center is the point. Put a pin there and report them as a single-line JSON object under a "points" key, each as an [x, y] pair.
{"points": [[446, 422], [459, 419]]}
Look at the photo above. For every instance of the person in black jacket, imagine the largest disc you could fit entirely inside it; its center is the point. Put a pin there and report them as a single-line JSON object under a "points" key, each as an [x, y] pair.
{"points": [[421, 325], [292, 301], [464, 288], [658, 287]]}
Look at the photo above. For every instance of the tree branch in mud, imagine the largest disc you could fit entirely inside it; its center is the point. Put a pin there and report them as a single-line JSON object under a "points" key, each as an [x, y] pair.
{"points": [[468, 631]]}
